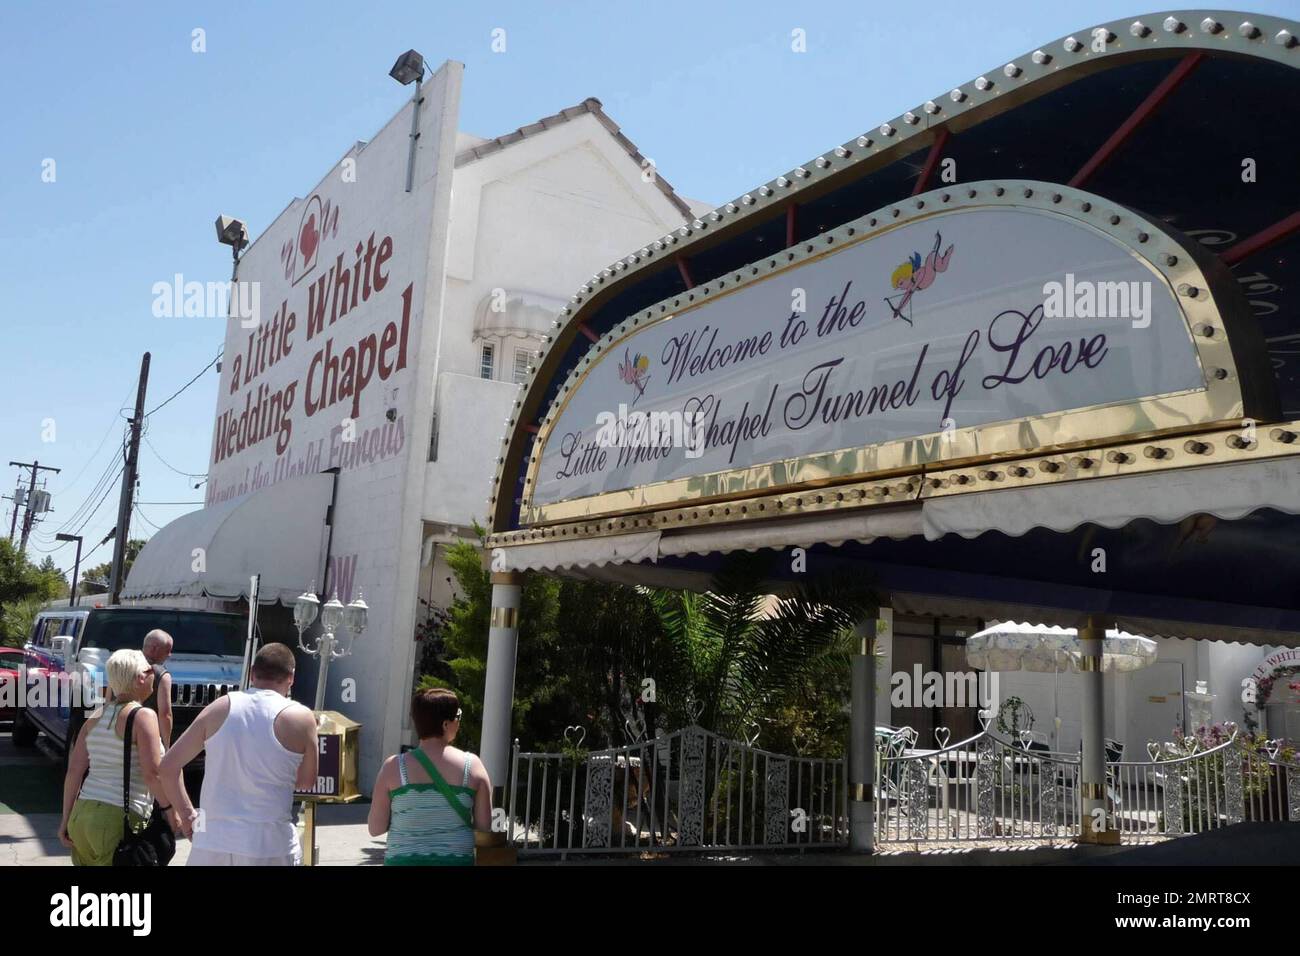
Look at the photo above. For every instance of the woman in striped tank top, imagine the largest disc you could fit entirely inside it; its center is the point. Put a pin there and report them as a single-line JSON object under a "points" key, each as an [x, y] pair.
{"points": [[430, 800], [92, 807]]}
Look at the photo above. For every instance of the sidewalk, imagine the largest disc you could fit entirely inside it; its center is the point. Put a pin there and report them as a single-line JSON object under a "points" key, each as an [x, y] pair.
{"points": [[32, 839]]}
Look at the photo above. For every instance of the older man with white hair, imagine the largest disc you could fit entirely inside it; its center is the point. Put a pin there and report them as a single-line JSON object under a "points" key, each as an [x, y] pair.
{"points": [[157, 648]]}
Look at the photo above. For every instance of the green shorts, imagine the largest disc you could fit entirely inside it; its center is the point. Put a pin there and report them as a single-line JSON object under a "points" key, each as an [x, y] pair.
{"points": [[95, 829]]}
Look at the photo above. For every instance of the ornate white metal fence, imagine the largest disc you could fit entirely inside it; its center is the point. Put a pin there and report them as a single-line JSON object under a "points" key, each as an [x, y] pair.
{"points": [[1175, 794], [985, 788], [981, 788], [690, 790]]}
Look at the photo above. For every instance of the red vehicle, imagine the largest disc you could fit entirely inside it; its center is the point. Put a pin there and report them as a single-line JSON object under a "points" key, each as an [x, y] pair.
{"points": [[11, 667]]}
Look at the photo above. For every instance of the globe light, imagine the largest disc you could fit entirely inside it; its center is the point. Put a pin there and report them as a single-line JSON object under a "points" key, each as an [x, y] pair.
{"points": [[331, 615], [305, 609], [354, 616]]}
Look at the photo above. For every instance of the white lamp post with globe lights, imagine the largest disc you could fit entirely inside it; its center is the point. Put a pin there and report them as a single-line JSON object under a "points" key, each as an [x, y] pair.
{"points": [[334, 616]]}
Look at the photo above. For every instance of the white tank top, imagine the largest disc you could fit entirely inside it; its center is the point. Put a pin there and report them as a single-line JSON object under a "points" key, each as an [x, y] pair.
{"points": [[104, 778], [248, 781]]}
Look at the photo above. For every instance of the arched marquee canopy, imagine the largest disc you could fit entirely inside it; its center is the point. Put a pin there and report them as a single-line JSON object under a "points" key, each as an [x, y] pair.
{"points": [[1051, 313]]}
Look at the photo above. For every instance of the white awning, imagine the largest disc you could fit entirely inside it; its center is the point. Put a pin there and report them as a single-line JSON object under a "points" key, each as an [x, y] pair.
{"points": [[649, 546], [1226, 491], [278, 532], [515, 312]]}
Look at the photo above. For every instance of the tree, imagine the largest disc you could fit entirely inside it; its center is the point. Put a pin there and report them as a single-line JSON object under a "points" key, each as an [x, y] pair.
{"points": [[96, 579], [24, 587], [605, 655], [749, 658], [465, 639]]}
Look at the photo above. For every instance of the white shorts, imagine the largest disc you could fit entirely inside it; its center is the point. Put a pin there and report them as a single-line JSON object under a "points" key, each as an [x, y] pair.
{"points": [[202, 857]]}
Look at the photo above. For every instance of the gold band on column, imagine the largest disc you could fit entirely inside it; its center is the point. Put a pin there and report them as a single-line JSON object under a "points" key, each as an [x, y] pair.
{"points": [[505, 617], [1089, 663], [507, 577], [858, 792], [1092, 791]]}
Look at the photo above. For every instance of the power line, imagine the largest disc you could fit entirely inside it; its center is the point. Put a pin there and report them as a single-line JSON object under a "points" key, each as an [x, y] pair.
{"points": [[104, 498], [96, 490], [145, 519], [87, 554], [214, 361], [186, 474], [95, 454]]}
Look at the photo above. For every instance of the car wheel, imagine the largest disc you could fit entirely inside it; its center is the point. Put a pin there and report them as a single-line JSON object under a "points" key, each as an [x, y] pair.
{"points": [[24, 730]]}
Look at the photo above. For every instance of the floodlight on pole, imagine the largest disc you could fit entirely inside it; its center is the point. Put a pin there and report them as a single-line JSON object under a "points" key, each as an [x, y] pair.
{"points": [[409, 69], [233, 233]]}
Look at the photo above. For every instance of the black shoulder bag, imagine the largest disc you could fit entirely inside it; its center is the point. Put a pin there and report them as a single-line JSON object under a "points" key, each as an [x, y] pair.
{"points": [[155, 845]]}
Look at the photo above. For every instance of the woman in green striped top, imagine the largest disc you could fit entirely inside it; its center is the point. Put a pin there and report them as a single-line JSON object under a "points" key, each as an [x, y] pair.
{"points": [[431, 799]]}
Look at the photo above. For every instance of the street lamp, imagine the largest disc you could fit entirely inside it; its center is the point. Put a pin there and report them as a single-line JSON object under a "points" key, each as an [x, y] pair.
{"points": [[76, 567], [334, 617]]}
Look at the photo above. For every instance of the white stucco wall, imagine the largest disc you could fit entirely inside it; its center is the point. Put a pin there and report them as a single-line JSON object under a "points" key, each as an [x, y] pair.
{"points": [[538, 217]]}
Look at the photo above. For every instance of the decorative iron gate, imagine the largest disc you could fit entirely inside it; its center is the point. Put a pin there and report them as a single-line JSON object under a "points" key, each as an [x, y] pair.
{"points": [[981, 788], [986, 788], [690, 790]]}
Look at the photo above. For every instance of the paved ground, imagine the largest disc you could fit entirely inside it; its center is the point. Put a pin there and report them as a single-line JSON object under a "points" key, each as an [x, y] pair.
{"points": [[31, 787]]}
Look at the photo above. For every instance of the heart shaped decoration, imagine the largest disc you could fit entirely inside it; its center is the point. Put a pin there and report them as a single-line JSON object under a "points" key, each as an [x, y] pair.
{"points": [[1272, 747], [635, 729], [941, 736], [985, 718], [572, 731], [753, 738], [1026, 738], [694, 709], [1153, 749], [309, 238]]}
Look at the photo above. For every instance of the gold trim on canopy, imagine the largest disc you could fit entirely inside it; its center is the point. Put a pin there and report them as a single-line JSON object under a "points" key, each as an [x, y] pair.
{"points": [[1064, 60], [1210, 301]]}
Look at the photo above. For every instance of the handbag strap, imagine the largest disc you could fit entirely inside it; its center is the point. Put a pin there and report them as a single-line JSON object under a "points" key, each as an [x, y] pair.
{"points": [[442, 787], [127, 733]]}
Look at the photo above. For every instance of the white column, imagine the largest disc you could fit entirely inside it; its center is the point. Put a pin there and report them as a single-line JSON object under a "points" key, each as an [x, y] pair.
{"points": [[862, 730], [499, 687], [1092, 768]]}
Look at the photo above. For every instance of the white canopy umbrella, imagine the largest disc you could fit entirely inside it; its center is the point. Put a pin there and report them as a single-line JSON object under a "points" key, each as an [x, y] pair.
{"points": [[1047, 649]]}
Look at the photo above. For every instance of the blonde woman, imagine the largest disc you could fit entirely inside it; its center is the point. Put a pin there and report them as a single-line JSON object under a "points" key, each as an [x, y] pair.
{"points": [[92, 808]]}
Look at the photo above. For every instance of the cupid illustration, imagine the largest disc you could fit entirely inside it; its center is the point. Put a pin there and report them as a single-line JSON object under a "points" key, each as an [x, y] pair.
{"points": [[634, 371], [913, 276]]}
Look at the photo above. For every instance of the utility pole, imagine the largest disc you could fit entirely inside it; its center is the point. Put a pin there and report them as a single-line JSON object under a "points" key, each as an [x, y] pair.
{"points": [[17, 498], [115, 580], [29, 515]]}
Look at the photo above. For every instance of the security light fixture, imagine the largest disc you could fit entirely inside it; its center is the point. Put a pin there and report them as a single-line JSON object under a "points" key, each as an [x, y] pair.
{"points": [[408, 68], [232, 232]]}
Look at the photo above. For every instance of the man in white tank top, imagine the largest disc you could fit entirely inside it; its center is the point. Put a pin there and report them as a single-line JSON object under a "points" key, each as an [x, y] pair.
{"points": [[261, 747]]}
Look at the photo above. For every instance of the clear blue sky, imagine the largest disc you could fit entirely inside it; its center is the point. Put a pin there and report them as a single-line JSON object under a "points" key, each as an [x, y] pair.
{"points": [[152, 141]]}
